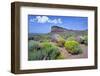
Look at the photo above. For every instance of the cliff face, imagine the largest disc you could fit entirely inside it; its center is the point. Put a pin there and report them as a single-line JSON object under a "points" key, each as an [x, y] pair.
{"points": [[57, 29]]}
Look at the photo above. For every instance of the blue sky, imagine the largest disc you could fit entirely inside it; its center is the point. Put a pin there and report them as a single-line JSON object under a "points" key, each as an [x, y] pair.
{"points": [[43, 24]]}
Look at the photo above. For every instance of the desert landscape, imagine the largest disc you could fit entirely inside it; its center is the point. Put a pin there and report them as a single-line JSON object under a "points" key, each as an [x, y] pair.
{"points": [[60, 43]]}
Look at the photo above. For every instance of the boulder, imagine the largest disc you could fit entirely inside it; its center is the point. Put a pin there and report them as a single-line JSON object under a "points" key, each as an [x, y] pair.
{"points": [[55, 37]]}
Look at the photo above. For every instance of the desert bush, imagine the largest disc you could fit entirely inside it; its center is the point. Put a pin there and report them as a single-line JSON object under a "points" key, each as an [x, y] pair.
{"points": [[73, 47], [60, 56], [60, 42], [50, 51], [43, 51], [33, 45], [35, 55], [40, 37], [66, 35], [34, 50], [70, 38], [84, 40]]}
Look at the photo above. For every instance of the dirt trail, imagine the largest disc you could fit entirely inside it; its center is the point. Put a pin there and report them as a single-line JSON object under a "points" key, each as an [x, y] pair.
{"points": [[64, 52]]}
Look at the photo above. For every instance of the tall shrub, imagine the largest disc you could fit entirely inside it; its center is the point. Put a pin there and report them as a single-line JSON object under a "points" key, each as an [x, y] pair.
{"points": [[73, 47]]}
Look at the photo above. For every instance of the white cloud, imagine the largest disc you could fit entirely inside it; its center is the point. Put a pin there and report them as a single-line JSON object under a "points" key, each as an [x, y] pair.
{"points": [[42, 19], [45, 19], [32, 20], [52, 21], [59, 20]]}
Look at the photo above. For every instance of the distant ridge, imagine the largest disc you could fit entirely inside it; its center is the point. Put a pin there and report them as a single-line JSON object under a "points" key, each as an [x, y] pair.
{"points": [[61, 29], [57, 29]]}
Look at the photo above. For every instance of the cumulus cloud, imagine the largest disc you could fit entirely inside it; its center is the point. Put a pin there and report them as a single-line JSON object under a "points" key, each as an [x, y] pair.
{"points": [[42, 19], [45, 19]]}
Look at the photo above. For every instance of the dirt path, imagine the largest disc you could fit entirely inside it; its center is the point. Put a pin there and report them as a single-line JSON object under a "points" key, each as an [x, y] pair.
{"points": [[64, 52], [69, 56]]}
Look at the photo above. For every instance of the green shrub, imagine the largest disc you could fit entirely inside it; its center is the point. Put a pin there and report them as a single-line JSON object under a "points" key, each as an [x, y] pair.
{"points": [[50, 51], [34, 50], [84, 40], [61, 42], [43, 51], [60, 56], [33, 45], [73, 47], [35, 55], [70, 38], [40, 37]]}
